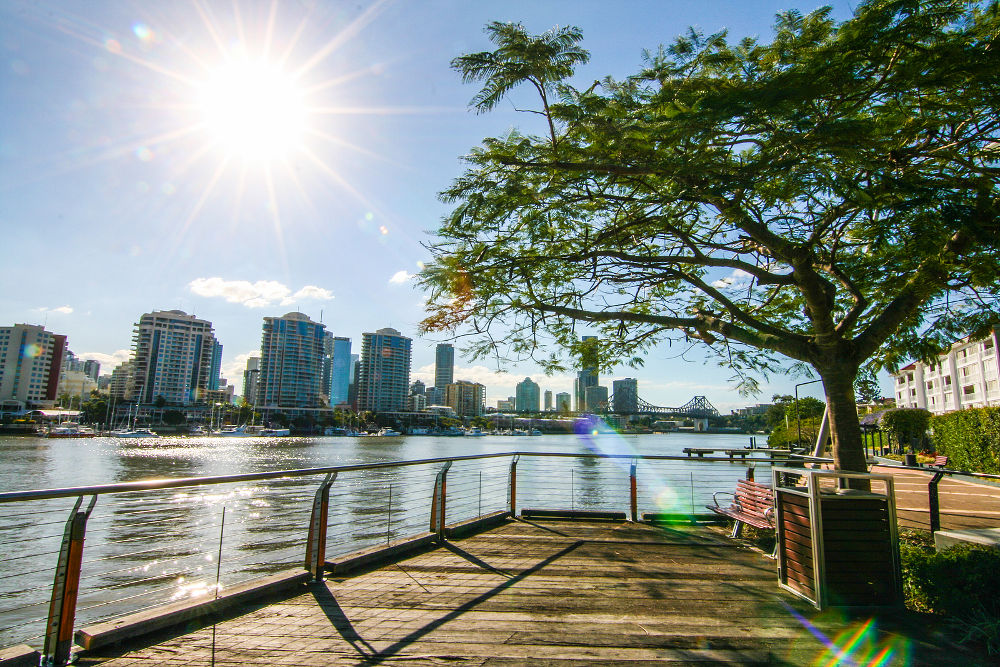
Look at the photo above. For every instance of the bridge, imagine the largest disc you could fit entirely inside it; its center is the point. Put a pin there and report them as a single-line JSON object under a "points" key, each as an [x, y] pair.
{"points": [[697, 408]]}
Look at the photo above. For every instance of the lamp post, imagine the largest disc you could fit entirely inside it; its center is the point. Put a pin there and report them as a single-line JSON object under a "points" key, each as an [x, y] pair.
{"points": [[798, 420]]}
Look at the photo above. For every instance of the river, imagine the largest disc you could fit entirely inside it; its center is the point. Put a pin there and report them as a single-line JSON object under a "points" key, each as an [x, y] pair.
{"points": [[146, 549]]}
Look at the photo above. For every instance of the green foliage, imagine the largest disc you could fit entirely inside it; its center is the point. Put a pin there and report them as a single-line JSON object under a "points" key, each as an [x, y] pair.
{"points": [[782, 437], [959, 583], [970, 439], [822, 199], [866, 386], [173, 417], [907, 426]]}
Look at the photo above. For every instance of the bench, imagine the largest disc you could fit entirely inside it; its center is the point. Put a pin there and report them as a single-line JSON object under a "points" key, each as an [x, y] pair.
{"points": [[939, 462], [753, 504]]}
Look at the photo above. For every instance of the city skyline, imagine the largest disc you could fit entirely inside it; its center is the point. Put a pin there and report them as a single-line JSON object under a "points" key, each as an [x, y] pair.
{"points": [[119, 146]]}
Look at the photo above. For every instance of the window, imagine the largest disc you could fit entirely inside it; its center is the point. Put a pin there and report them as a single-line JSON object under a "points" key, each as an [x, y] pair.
{"points": [[930, 385], [913, 392], [947, 380], [969, 390], [909, 377], [901, 380]]}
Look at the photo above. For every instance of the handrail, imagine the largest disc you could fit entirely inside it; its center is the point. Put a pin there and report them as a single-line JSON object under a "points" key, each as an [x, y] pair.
{"points": [[180, 482], [949, 471]]}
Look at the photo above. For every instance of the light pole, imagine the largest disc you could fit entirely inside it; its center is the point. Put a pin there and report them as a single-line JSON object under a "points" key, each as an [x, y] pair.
{"points": [[798, 420]]}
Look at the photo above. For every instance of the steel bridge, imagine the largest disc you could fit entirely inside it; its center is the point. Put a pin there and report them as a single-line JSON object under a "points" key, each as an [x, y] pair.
{"points": [[697, 408]]}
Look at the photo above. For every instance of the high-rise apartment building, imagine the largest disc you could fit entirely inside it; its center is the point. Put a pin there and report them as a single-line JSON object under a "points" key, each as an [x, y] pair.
{"points": [[625, 396], [587, 376], [435, 395], [118, 383], [174, 356], [563, 402], [31, 359], [444, 365], [92, 368], [292, 353], [596, 398], [341, 371], [526, 396], [965, 376], [548, 400], [251, 380], [215, 377], [384, 381], [465, 398]]}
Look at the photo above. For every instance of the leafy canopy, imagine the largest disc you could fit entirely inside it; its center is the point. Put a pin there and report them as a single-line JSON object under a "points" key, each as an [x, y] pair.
{"points": [[825, 198]]}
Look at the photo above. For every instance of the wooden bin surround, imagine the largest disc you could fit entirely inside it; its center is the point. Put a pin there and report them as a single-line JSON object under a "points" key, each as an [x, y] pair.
{"points": [[837, 546]]}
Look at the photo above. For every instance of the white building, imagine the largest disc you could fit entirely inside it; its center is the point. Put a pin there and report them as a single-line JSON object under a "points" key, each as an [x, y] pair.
{"points": [[30, 362], [965, 376], [174, 355]]}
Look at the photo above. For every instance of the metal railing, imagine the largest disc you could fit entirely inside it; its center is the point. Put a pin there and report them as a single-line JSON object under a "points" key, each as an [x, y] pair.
{"points": [[154, 542]]}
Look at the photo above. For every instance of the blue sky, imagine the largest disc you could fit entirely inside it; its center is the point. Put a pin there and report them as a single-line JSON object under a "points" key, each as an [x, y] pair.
{"points": [[126, 187]]}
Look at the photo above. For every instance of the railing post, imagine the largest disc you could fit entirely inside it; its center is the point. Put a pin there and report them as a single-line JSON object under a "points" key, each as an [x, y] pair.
{"points": [[513, 485], [932, 502], [316, 544], [438, 501], [633, 499], [66, 587]]}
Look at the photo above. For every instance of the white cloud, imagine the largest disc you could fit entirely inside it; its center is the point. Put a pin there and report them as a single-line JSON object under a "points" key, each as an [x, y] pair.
{"points": [[233, 371], [258, 294], [736, 280], [108, 361], [400, 277], [64, 310]]}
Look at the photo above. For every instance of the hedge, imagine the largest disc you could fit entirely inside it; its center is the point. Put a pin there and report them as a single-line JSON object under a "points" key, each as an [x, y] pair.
{"points": [[969, 438]]}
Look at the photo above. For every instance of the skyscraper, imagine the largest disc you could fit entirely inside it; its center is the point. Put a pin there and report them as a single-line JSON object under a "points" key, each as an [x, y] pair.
{"points": [[526, 395], [625, 396], [596, 398], [92, 368], [340, 380], [587, 376], [444, 365], [31, 359], [292, 350], [548, 400], [562, 402], [465, 398], [384, 381], [173, 356], [251, 380]]}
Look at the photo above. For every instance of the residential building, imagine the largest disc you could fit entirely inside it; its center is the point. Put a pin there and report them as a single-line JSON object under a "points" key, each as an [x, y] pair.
{"points": [[341, 367], [548, 400], [173, 357], [292, 353], [352, 387], [505, 405], [444, 365], [587, 376], [417, 387], [384, 381], [625, 396], [435, 396], [93, 370], [416, 402], [251, 380], [563, 402], [526, 396], [119, 380], [75, 384], [596, 398], [465, 398], [965, 376], [31, 360]]}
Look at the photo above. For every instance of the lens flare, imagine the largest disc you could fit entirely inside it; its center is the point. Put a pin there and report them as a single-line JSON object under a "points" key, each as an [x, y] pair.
{"points": [[31, 351], [858, 644]]}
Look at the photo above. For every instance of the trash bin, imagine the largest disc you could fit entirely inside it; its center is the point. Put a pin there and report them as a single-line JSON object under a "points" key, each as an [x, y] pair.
{"points": [[910, 460], [837, 546]]}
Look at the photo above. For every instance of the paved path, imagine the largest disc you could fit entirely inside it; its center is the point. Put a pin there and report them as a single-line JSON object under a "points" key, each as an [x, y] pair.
{"points": [[963, 503], [554, 593]]}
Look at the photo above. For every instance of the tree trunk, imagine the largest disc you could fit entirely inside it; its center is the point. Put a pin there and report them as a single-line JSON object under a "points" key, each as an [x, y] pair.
{"points": [[848, 447]]}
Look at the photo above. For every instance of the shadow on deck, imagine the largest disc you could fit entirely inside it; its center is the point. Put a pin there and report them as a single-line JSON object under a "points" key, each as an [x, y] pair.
{"points": [[553, 592]]}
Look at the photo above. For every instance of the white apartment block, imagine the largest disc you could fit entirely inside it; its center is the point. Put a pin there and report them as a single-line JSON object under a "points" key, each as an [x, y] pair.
{"points": [[966, 376], [30, 360], [172, 357]]}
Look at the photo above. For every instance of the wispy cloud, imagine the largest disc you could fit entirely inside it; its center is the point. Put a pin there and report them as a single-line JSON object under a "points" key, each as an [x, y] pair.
{"points": [[65, 310], [233, 370], [257, 294], [400, 277], [738, 279]]}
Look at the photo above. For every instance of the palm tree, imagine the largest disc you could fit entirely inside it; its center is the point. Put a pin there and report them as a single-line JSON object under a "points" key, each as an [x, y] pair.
{"points": [[540, 60]]}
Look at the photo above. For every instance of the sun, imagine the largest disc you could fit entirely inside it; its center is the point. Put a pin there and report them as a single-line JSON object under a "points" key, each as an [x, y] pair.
{"points": [[252, 110]]}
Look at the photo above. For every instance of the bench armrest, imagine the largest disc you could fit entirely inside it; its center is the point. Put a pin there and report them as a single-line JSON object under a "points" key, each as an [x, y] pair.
{"points": [[715, 495]]}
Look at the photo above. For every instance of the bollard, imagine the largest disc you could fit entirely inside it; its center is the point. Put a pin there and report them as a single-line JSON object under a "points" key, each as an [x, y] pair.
{"points": [[66, 587], [932, 502], [316, 544], [633, 499]]}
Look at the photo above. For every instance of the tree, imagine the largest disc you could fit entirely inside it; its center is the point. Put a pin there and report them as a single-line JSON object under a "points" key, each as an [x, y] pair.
{"points": [[814, 202], [866, 386]]}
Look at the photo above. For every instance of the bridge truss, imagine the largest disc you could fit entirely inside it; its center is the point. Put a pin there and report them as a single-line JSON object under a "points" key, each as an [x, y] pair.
{"points": [[697, 407]]}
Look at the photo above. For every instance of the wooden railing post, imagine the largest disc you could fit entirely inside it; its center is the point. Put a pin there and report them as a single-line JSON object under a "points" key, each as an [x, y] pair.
{"points": [[633, 496], [513, 485], [316, 544], [438, 501], [66, 587]]}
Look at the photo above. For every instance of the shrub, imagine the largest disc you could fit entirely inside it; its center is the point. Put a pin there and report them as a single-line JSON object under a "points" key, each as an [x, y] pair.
{"points": [[907, 425], [970, 439]]}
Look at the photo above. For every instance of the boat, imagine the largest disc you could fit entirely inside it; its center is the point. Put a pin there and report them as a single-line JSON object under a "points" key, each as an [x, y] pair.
{"points": [[134, 433], [535, 431], [418, 430], [275, 432], [475, 432], [70, 430], [388, 432], [245, 431]]}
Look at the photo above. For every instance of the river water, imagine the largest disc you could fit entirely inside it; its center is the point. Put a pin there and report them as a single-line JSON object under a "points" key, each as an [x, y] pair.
{"points": [[146, 549]]}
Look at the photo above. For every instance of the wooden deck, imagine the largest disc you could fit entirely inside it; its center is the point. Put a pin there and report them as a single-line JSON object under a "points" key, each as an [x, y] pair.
{"points": [[546, 593]]}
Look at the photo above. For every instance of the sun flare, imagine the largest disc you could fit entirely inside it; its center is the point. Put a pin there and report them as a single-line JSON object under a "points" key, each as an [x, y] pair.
{"points": [[253, 110]]}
